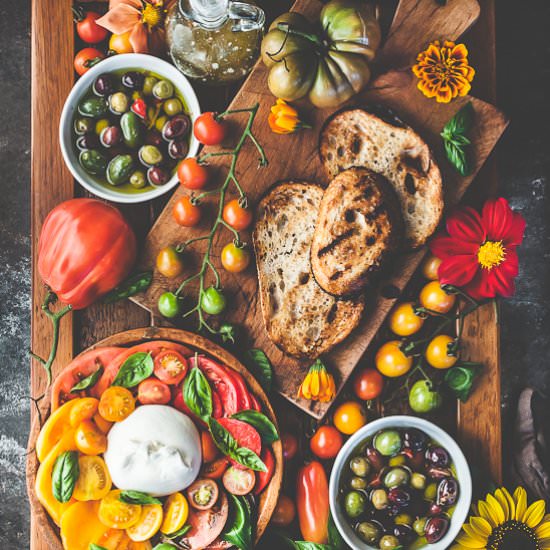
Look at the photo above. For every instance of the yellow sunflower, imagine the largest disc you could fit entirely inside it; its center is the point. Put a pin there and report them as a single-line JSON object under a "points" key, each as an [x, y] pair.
{"points": [[505, 522]]}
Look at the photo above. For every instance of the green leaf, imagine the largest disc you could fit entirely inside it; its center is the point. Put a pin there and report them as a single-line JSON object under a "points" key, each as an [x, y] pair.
{"points": [[137, 497], [165, 546], [197, 394], [178, 533], [132, 285], [136, 368], [96, 547], [263, 425], [460, 379], [259, 365], [238, 530], [89, 381], [455, 140], [305, 545], [64, 475], [335, 539]]}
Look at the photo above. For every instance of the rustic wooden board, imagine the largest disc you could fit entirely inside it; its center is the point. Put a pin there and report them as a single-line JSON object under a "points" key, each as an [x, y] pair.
{"points": [[295, 157]]}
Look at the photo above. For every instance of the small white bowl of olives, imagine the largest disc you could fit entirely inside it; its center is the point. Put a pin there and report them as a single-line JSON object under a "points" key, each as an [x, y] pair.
{"points": [[400, 482], [125, 126]]}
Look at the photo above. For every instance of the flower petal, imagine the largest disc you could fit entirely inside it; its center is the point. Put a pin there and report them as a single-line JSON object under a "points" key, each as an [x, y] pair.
{"points": [[520, 497], [481, 526], [510, 265], [457, 270], [138, 39], [497, 218], [501, 284], [473, 534], [120, 19], [135, 3], [495, 506], [511, 502], [469, 542], [543, 530], [444, 246], [515, 235], [466, 224], [488, 513], [503, 501], [534, 514], [480, 287]]}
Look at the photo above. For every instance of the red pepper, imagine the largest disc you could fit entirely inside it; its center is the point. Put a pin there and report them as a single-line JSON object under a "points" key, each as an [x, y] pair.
{"points": [[312, 502], [139, 107]]}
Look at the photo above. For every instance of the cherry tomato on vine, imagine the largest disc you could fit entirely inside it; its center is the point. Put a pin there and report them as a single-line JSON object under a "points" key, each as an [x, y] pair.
{"points": [[235, 258], [430, 267], [290, 445], [284, 513], [326, 442], [186, 213], [404, 321], [191, 174], [88, 30], [86, 58], [213, 301], [349, 417], [236, 216], [423, 398], [169, 262], [433, 297], [437, 352], [368, 384], [391, 361], [169, 305], [209, 130], [120, 43]]}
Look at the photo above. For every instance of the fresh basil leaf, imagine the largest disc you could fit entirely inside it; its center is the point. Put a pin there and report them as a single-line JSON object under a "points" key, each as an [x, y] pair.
{"points": [[197, 394], [132, 285], [64, 475], [239, 529], [178, 533], [249, 458], [137, 497], [96, 547], [89, 381], [136, 368], [259, 365], [305, 545], [263, 425], [456, 141]]}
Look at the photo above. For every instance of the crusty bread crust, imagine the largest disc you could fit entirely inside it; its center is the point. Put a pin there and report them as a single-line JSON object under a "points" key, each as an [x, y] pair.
{"points": [[359, 226], [300, 318], [356, 137]]}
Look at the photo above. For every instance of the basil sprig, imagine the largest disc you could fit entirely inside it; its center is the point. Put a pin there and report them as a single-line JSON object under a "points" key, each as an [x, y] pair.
{"points": [[89, 381], [260, 367], [228, 445], [132, 285], [64, 476], [455, 139], [197, 394], [258, 420], [96, 547], [239, 529], [136, 368], [137, 497]]}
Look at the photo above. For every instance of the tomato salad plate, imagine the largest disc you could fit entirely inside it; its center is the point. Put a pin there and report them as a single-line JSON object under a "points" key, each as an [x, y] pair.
{"points": [[154, 436]]}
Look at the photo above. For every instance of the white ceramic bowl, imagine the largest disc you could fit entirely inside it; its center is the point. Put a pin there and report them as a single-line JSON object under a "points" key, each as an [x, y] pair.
{"points": [[117, 63], [435, 433]]}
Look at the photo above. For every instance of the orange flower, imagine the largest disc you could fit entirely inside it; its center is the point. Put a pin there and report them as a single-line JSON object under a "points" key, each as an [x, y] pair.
{"points": [[144, 19], [318, 385], [284, 118], [443, 71]]}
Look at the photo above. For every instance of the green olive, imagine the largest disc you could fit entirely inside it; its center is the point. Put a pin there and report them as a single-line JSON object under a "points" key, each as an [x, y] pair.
{"points": [[132, 130], [138, 179], [368, 532], [398, 460], [418, 481], [419, 526], [83, 126], [94, 162], [358, 483], [119, 169], [148, 85], [119, 103], [360, 466], [92, 107], [100, 125], [388, 442], [403, 519], [388, 542], [163, 89], [172, 106], [150, 155], [379, 499], [355, 504], [160, 122], [396, 477], [430, 492]]}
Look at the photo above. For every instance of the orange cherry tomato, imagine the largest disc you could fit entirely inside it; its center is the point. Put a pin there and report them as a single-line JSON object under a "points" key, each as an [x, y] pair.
{"points": [[116, 404], [169, 262], [235, 258], [84, 409], [208, 130], [236, 216], [326, 442], [89, 439], [186, 213], [120, 43], [430, 267], [170, 367], [391, 361], [209, 449], [86, 58], [284, 513], [368, 384], [437, 352], [89, 31], [216, 469], [404, 321], [191, 174], [434, 298], [94, 480], [290, 445], [153, 392], [312, 502], [349, 417]]}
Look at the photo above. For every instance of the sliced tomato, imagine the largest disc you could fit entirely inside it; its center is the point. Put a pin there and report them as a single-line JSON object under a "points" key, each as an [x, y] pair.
{"points": [[80, 367], [171, 367], [219, 544], [216, 469], [238, 481], [203, 494], [243, 395], [224, 385], [244, 434], [217, 408], [263, 478], [179, 403], [153, 392], [209, 450], [254, 403], [206, 525]]}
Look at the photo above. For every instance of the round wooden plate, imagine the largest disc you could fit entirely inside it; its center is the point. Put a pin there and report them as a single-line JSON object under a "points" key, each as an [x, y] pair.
{"points": [[269, 496]]}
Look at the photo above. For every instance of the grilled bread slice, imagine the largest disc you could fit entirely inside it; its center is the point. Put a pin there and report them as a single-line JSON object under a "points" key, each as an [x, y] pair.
{"points": [[299, 316], [359, 225], [356, 137]]}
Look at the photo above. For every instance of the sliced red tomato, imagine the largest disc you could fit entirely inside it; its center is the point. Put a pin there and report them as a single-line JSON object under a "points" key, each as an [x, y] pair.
{"points": [[254, 403], [153, 392], [171, 366], [225, 385], [80, 367], [244, 434], [238, 481], [179, 403], [206, 525], [243, 395], [216, 469], [263, 478], [203, 494]]}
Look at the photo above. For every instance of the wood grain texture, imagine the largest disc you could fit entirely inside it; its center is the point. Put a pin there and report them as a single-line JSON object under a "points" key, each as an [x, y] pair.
{"points": [[295, 157]]}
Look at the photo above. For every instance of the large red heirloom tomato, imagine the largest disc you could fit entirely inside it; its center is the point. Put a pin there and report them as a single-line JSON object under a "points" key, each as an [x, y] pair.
{"points": [[86, 248]]}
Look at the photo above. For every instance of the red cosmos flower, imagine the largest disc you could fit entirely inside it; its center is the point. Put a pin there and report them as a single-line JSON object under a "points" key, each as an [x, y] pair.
{"points": [[478, 252]]}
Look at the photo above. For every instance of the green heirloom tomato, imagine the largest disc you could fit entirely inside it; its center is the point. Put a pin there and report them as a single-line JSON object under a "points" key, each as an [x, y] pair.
{"points": [[422, 399], [169, 305], [213, 301]]}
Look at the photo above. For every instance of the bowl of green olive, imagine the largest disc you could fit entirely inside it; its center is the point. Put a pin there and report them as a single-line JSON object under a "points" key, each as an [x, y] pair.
{"points": [[126, 125], [400, 482]]}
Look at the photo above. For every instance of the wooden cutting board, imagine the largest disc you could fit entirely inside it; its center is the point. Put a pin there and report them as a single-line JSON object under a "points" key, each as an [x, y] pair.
{"points": [[416, 23]]}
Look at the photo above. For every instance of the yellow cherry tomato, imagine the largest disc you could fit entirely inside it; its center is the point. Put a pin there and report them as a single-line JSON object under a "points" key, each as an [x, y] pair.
{"points": [[116, 404], [433, 297], [176, 511], [120, 43], [84, 409], [94, 480], [437, 352], [89, 439], [117, 514], [430, 267], [349, 417], [404, 321], [391, 361], [102, 424], [114, 539], [148, 524], [235, 258], [169, 262]]}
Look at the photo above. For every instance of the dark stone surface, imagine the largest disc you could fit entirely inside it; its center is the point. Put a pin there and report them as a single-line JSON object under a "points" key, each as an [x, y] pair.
{"points": [[523, 72]]}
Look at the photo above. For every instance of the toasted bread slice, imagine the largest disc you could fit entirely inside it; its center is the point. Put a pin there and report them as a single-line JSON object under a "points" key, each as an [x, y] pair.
{"points": [[359, 225], [356, 137], [299, 316]]}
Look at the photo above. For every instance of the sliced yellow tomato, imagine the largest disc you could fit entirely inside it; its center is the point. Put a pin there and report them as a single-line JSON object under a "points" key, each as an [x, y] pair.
{"points": [[94, 481], [148, 524], [102, 424], [113, 539], [175, 511], [83, 409], [80, 526], [54, 428], [89, 439], [145, 545], [116, 404], [43, 482], [117, 514]]}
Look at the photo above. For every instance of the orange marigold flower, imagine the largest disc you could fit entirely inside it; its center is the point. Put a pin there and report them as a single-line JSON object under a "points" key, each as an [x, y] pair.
{"points": [[443, 71], [318, 385], [284, 119]]}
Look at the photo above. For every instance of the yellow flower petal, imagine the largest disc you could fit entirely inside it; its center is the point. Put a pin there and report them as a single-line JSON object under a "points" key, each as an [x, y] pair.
{"points": [[520, 497], [499, 495], [495, 506], [534, 514], [545, 544], [315, 384], [511, 503], [481, 526], [486, 511], [543, 530], [473, 534], [470, 542]]}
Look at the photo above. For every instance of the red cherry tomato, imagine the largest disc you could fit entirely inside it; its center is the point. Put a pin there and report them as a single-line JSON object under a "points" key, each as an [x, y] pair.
{"points": [[290, 445], [368, 384], [263, 478], [85, 59], [153, 392], [186, 213], [170, 367], [216, 469], [208, 130], [191, 174], [284, 513], [89, 31], [236, 216], [326, 442]]}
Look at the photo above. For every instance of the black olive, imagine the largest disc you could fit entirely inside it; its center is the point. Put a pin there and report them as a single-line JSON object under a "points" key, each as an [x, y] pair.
{"points": [[103, 85], [436, 529], [157, 175], [87, 141], [438, 456], [111, 135], [447, 492], [176, 127], [153, 137], [178, 149], [415, 439], [133, 80]]}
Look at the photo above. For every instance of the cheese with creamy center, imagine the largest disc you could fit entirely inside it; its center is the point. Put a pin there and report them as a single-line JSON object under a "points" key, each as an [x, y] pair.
{"points": [[155, 450]]}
